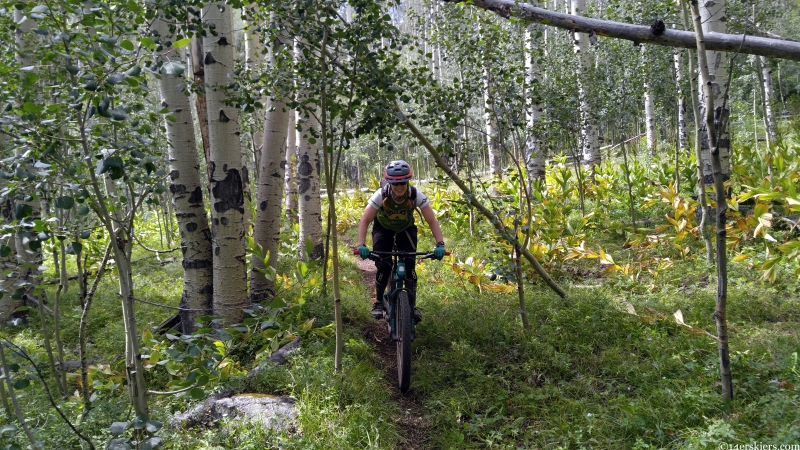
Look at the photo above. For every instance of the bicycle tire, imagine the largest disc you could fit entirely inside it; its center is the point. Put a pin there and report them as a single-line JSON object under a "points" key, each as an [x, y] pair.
{"points": [[404, 319]]}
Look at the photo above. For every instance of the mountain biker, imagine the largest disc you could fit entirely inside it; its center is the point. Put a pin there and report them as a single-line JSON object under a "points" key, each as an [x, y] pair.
{"points": [[391, 211]]}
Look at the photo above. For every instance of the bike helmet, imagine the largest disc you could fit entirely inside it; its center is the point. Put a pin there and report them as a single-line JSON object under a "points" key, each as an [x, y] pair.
{"points": [[397, 172]]}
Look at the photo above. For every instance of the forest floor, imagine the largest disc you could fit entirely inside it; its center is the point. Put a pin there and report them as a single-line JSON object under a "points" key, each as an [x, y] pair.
{"points": [[412, 424]]}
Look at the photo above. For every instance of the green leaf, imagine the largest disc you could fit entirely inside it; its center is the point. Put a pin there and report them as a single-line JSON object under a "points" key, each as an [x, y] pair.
{"points": [[197, 393], [173, 68], [153, 442], [9, 428], [74, 248], [182, 42], [18, 293], [90, 85], [115, 78], [133, 71], [83, 211], [153, 426], [113, 165], [118, 444], [5, 251], [23, 210], [22, 384], [65, 202], [127, 45], [118, 427], [147, 42], [118, 114]]}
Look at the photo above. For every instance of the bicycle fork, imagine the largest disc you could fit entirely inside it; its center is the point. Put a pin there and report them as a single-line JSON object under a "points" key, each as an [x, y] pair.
{"points": [[398, 280]]}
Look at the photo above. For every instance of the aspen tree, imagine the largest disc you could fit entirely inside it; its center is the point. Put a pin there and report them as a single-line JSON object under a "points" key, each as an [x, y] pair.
{"points": [[227, 196]]}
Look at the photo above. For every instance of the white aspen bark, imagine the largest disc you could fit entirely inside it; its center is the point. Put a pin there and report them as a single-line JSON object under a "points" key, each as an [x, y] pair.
{"points": [[269, 195], [225, 166], [650, 118], [495, 164], [534, 153], [8, 265], [589, 132], [186, 187], [291, 164], [308, 191], [308, 181], [683, 139], [712, 15], [766, 75], [490, 120]]}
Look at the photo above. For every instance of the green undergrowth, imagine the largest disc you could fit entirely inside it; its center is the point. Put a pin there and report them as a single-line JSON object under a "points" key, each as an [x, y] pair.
{"points": [[607, 367]]}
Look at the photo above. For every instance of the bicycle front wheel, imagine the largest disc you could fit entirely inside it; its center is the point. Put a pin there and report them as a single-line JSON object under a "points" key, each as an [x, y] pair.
{"points": [[404, 319]]}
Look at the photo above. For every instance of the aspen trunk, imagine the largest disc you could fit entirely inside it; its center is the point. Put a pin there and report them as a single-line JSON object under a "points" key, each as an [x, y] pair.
{"points": [[712, 16], [683, 139], [490, 121], [701, 189], [713, 117], [291, 164], [534, 153], [269, 194], [225, 166], [308, 189], [186, 188], [589, 135], [769, 114]]}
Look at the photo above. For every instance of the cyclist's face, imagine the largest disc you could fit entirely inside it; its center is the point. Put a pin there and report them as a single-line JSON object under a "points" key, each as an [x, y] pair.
{"points": [[399, 189]]}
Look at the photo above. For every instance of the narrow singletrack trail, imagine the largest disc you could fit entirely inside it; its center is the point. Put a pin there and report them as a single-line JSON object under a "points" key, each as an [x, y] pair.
{"points": [[412, 423]]}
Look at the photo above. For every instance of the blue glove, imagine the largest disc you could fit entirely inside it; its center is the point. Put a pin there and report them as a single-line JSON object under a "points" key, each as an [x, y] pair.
{"points": [[363, 251], [438, 252]]}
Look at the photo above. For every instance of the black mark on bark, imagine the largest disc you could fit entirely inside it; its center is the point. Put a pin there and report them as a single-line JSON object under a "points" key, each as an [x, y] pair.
{"points": [[223, 117], [174, 174], [263, 205], [228, 193], [209, 59], [197, 195], [302, 185], [307, 197], [216, 251], [177, 188], [197, 263], [191, 227], [222, 41], [245, 175], [224, 221], [304, 168]]}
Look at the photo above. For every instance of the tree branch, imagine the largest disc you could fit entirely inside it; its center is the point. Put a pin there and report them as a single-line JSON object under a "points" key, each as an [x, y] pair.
{"points": [[753, 45]]}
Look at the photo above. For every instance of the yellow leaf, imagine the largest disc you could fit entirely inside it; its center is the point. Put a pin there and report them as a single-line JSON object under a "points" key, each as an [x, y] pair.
{"points": [[739, 257], [456, 269], [474, 279]]}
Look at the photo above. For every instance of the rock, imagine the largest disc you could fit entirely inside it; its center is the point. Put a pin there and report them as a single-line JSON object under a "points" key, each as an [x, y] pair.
{"points": [[279, 357], [273, 412], [199, 413]]}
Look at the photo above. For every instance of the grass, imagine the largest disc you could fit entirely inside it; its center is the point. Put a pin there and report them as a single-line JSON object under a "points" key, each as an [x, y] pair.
{"points": [[587, 375]]}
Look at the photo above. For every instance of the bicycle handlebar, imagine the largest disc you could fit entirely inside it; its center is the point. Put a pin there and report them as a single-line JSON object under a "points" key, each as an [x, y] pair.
{"points": [[400, 254]]}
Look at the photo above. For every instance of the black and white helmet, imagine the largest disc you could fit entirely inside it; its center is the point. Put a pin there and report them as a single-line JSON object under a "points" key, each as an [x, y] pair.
{"points": [[397, 172]]}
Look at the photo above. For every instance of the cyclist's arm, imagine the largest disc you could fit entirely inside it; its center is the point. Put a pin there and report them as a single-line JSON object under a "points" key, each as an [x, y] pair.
{"points": [[430, 217], [367, 217]]}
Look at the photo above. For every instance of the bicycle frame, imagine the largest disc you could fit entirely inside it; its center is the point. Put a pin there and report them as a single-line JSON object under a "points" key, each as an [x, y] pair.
{"points": [[397, 285]]}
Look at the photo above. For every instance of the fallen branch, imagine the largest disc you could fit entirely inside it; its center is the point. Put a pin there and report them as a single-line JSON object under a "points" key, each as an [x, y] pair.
{"points": [[657, 35]]}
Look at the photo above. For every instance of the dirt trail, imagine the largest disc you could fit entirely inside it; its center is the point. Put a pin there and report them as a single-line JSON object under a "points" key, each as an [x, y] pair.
{"points": [[412, 423]]}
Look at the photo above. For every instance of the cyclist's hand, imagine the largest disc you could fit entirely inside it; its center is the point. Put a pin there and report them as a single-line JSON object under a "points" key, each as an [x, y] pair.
{"points": [[363, 251], [438, 252]]}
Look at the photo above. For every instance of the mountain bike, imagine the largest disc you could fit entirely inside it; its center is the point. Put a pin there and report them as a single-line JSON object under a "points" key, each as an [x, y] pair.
{"points": [[398, 310]]}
